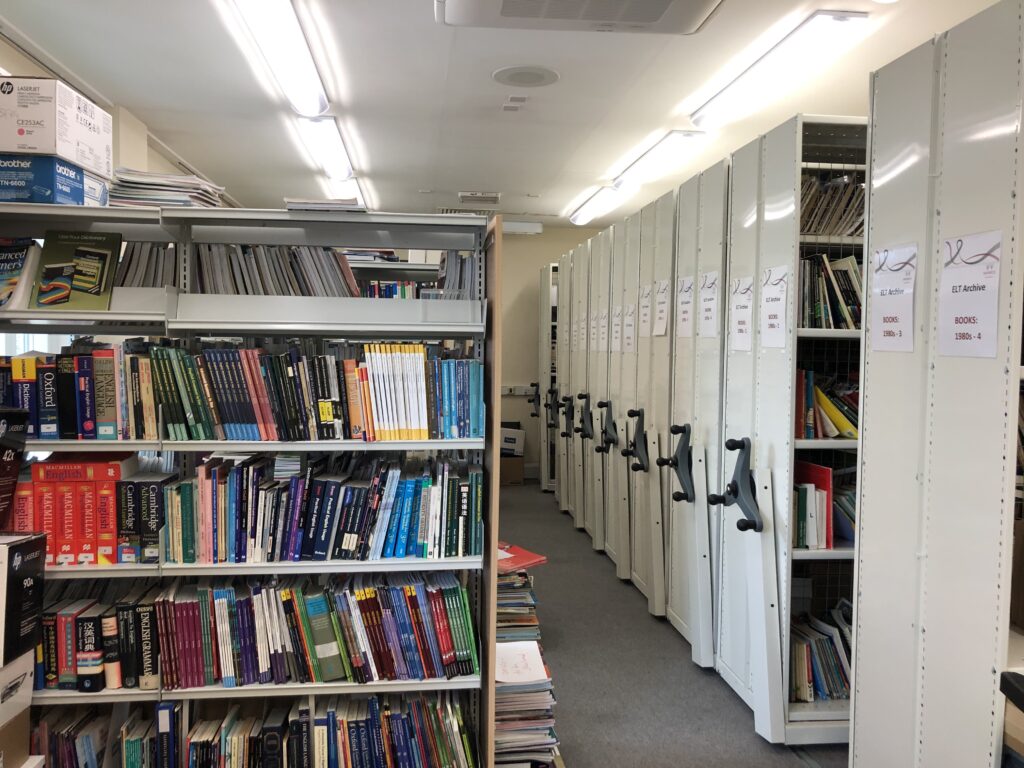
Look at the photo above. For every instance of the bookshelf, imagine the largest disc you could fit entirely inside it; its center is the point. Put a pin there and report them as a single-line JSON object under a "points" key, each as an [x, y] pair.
{"points": [[934, 631], [579, 345], [565, 404], [592, 415], [765, 581], [547, 375], [467, 315]]}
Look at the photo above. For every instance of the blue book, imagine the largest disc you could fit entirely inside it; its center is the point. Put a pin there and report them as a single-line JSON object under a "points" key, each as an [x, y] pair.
{"points": [[394, 520], [314, 518], [231, 517], [167, 727], [428, 622], [85, 388], [224, 595], [446, 424], [400, 610], [332, 741], [376, 733], [328, 516], [411, 487], [46, 398], [453, 398], [353, 739], [414, 518]]}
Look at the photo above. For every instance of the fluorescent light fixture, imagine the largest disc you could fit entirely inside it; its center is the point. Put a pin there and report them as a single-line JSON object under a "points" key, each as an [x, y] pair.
{"points": [[322, 140], [602, 202], [274, 28], [665, 157], [343, 190], [820, 39]]}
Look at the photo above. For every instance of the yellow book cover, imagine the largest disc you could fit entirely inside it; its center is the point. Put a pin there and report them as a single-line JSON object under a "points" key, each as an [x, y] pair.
{"points": [[846, 429]]}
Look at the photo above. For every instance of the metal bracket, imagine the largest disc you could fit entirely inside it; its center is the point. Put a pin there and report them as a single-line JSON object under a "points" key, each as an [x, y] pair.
{"points": [[586, 427], [682, 463], [741, 489], [551, 406], [609, 430], [638, 445], [534, 399], [569, 414]]}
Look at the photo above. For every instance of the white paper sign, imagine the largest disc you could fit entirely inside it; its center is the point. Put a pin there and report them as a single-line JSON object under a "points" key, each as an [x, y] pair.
{"points": [[893, 278], [773, 307], [629, 329], [645, 310], [602, 332], [593, 331], [969, 297], [661, 306], [684, 307], [709, 304], [741, 314], [617, 329]]}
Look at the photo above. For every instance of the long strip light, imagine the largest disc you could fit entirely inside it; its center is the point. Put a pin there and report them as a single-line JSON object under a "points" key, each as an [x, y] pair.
{"points": [[602, 202], [812, 46], [275, 30], [323, 141]]}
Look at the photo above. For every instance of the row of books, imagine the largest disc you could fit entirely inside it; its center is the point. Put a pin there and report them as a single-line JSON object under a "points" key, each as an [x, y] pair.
{"points": [[147, 265], [416, 731], [826, 406], [824, 507], [268, 270], [356, 629], [235, 511], [147, 390], [832, 204], [820, 651], [131, 188], [831, 294], [517, 608]]}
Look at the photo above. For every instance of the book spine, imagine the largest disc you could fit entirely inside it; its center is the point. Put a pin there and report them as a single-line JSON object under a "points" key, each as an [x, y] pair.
{"points": [[151, 513], [46, 517], [49, 627], [23, 371], [106, 394], [204, 419], [89, 654], [23, 513], [111, 650], [106, 522], [86, 524], [86, 402], [66, 503], [128, 522], [67, 409], [46, 388], [149, 644]]}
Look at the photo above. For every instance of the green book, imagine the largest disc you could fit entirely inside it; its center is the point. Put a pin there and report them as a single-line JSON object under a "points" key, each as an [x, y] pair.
{"points": [[467, 617], [186, 492], [325, 642], [339, 638], [303, 616], [203, 592], [172, 355]]}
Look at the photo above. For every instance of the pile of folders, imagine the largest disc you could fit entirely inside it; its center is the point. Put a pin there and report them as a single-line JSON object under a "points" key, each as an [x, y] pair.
{"points": [[356, 628], [415, 731], [151, 390]]}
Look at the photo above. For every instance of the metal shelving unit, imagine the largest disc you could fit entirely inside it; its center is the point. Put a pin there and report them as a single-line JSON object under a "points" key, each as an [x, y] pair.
{"points": [[195, 315]]}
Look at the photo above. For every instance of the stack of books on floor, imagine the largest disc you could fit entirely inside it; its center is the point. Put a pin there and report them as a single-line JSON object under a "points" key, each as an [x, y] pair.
{"points": [[412, 730], [145, 389], [132, 188], [517, 608], [524, 706], [168, 636], [820, 655]]}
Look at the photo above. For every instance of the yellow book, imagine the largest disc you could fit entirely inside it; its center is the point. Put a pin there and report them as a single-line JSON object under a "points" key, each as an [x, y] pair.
{"points": [[846, 429], [396, 382]]}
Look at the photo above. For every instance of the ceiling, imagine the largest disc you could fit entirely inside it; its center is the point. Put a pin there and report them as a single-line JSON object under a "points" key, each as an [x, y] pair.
{"points": [[421, 115]]}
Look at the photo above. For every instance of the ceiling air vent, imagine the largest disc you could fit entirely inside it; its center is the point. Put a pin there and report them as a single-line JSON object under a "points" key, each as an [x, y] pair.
{"points": [[467, 211], [669, 17], [480, 198]]}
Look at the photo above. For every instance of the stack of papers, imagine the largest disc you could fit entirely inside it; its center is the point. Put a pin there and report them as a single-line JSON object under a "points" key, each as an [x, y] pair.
{"points": [[524, 706], [517, 608], [512, 558], [142, 188]]}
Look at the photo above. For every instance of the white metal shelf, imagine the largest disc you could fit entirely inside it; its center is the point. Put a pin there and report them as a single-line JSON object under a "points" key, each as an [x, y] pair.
{"points": [[466, 683], [106, 696], [826, 444], [829, 333], [120, 571], [836, 709], [844, 552], [302, 446], [45, 212], [390, 565], [807, 239], [833, 166]]}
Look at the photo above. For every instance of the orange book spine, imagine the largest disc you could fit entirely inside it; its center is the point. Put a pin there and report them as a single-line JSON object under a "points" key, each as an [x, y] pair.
{"points": [[263, 398], [364, 390], [353, 392], [106, 522], [67, 503], [254, 395], [46, 517], [85, 524], [23, 513]]}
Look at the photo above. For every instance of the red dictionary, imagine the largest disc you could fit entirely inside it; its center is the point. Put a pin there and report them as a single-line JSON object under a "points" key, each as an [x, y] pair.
{"points": [[106, 522], [47, 517], [73, 467], [23, 515], [85, 540], [66, 503]]}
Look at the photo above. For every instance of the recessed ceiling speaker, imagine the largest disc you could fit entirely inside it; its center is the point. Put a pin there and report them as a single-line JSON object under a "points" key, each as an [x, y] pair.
{"points": [[667, 17], [525, 77]]}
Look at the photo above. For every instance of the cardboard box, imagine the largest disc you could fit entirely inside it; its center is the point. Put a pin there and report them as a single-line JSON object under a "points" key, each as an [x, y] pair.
{"points": [[16, 687], [40, 179], [511, 470], [14, 742], [40, 116], [97, 191], [513, 441]]}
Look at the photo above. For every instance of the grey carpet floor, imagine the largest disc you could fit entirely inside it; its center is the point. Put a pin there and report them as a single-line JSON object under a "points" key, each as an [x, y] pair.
{"points": [[628, 694]]}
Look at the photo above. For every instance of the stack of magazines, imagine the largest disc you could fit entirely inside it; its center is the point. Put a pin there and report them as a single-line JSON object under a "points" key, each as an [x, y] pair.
{"points": [[523, 707], [142, 188]]}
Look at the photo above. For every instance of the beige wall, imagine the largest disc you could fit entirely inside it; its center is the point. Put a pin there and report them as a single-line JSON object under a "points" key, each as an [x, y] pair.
{"points": [[522, 258]]}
